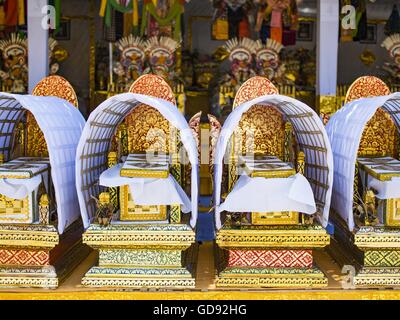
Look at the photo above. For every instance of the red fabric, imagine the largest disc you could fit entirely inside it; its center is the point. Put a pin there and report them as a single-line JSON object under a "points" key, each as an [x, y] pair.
{"points": [[244, 29], [276, 34], [11, 10]]}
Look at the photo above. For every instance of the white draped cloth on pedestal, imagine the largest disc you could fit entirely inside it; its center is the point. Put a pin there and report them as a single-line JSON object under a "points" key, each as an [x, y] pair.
{"points": [[270, 195], [310, 133], [345, 129], [148, 191], [62, 125], [101, 126]]}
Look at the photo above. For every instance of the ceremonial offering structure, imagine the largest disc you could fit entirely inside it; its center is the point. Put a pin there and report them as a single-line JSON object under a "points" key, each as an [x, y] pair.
{"points": [[40, 227], [279, 179], [146, 241], [365, 200]]}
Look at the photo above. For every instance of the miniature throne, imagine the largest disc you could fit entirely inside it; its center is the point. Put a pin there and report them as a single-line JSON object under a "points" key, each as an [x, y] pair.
{"points": [[369, 238], [254, 249], [40, 235], [144, 245]]}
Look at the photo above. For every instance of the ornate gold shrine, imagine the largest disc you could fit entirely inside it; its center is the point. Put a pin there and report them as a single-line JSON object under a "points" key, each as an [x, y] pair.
{"points": [[374, 246], [32, 253], [269, 249], [145, 246]]}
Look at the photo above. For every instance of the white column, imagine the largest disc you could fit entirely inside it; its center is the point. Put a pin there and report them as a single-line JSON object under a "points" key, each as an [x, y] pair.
{"points": [[37, 43], [327, 47]]}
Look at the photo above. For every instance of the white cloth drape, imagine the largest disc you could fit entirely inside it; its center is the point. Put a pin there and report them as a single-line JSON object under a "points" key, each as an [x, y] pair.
{"points": [[62, 125], [270, 195], [148, 191], [19, 188], [345, 130]]}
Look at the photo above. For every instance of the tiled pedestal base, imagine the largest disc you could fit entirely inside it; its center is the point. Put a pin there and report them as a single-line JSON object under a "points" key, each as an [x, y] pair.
{"points": [[35, 256], [270, 257], [141, 256], [381, 265]]}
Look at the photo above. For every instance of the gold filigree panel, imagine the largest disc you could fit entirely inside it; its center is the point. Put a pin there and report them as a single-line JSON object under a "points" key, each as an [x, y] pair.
{"points": [[55, 86], [262, 131], [365, 87], [147, 129], [253, 88], [380, 135]]}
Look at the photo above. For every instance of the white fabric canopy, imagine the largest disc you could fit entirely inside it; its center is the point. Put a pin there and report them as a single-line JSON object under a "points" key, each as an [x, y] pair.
{"points": [[345, 130], [62, 125], [94, 145], [148, 191], [312, 140], [270, 195]]}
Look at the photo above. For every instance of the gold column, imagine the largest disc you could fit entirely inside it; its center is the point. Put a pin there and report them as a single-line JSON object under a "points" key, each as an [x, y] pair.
{"points": [[113, 191]]}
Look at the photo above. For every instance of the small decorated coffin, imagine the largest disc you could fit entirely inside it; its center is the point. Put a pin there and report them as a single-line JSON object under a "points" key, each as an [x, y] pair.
{"points": [[146, 166]]}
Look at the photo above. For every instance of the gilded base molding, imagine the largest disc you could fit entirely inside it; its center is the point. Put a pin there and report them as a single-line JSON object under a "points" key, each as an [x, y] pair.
{"points": [[28, 277], [140, 236], [138, 278], [377, 277], [28, 236], [142, 255], [271, 278], [284, 237], [377, 238], [62, 253]]}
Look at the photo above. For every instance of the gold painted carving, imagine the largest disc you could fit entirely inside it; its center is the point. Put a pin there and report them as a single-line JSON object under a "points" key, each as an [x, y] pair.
{"points": [[56, 86], [131, 212]]}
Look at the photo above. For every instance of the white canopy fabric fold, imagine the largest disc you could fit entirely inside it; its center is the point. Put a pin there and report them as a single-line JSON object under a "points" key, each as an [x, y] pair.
{"points": [[312, 140], [94, 145], [148, 191], [345, 129], [62, 125], [270, 195]]}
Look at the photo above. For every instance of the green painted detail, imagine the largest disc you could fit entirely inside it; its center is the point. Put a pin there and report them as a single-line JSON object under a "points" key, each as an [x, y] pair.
{"points": [[137, 258], [138, 271]]}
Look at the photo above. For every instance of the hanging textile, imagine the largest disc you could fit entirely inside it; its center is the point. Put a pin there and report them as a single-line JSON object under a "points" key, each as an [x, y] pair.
{"points": [[172, 17], [290, 24], [220, 25], [2, 14], [361, 20], [11, 11], [274, 18], [392, 26], [129, 6]]}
